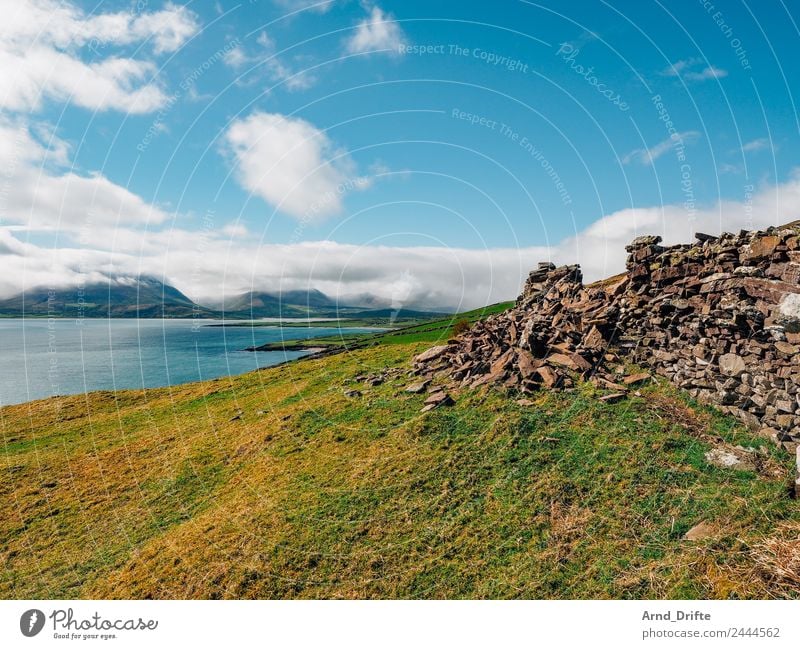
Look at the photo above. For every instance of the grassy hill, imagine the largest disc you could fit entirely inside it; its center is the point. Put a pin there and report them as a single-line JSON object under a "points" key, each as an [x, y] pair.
{"points": [[275, 484]]}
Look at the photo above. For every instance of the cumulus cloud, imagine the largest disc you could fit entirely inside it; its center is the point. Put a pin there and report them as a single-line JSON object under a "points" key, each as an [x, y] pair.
{"points": [[649, 156], [37, 192], [291, 164], [694, 70], [39, 55], [378, 32]]}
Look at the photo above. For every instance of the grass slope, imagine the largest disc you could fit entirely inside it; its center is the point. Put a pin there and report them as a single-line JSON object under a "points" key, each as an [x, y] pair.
{"points": [[313, 494]]}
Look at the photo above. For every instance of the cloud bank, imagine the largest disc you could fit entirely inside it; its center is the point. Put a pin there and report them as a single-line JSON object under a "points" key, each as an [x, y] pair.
{"points": [[208, 265]]}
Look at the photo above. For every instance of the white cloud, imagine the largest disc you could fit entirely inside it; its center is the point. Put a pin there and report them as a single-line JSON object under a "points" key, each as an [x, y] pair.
{"points": [[205, 266], [649, 156], [758, 144], [36, 192], [694, 70], [377, 33], [706, 73], [727, 168], [236, 58], [236, 230], [291, 164], [268, 61], [600, 248], [43, 46]]}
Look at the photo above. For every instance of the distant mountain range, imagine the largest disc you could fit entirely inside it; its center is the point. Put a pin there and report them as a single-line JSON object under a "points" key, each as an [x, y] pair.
{"points": [[148, 297]]}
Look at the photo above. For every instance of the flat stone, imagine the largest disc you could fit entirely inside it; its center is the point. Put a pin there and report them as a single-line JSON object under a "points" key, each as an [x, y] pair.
{"points": [[612, 398], [786, 348], [432, 353], [645, 240], [731, 364], [417, 388], [439, 399], [727, 459], [699, 532], [636, 378], [700, 236]]}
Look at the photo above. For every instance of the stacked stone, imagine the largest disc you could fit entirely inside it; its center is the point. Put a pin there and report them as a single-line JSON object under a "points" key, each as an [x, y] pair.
{"points": [[719, 318], [558, 329]]}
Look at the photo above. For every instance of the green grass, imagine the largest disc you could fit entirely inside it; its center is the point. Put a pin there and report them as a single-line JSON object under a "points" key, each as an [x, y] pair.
{"points": [[165, 494], [439, 330]]}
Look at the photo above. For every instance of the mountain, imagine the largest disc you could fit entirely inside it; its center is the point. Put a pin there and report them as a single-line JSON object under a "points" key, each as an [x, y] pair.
{"points": [[311, 303], [149, 297], [286, 304], [119, 297]]}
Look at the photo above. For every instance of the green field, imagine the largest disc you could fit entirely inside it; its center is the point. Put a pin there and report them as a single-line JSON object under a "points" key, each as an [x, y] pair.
{"points": [[397, 334], [275, 484]]}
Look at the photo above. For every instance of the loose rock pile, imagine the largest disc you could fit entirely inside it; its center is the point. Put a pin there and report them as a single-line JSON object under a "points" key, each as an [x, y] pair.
{"points": [[719, 318]]}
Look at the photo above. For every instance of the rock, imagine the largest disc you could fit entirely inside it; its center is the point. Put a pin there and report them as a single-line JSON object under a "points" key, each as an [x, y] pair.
{"points": [[786, 348], [527, 363], [419, 387], [526, 403], [439, 399], [700, 532], [352, 394], [574, 362], [729, 459], [643, 241], [770, 433], [704, 237], [548, 376], [594, 339], [760, 248], [731, 364], [636, 378], [430, 354]]}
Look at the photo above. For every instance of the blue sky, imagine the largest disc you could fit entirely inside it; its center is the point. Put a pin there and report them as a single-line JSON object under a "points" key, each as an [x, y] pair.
{"points": [[425, 152]]}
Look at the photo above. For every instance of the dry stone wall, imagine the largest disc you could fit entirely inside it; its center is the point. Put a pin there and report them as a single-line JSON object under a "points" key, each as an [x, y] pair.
{"points": [[719, 318]]}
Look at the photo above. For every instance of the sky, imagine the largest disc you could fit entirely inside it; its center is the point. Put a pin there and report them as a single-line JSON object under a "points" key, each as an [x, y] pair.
{"points": [[418, 153]]}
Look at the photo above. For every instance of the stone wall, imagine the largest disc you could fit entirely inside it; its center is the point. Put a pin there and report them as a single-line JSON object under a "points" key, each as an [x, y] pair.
{"points": [[720, 318]]}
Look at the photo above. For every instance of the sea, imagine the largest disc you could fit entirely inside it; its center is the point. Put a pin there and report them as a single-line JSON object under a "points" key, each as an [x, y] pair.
{"points": [[42, 358]]}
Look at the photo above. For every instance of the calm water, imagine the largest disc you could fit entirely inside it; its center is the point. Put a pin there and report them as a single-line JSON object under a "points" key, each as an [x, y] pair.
{"points": [[41, 358]]}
